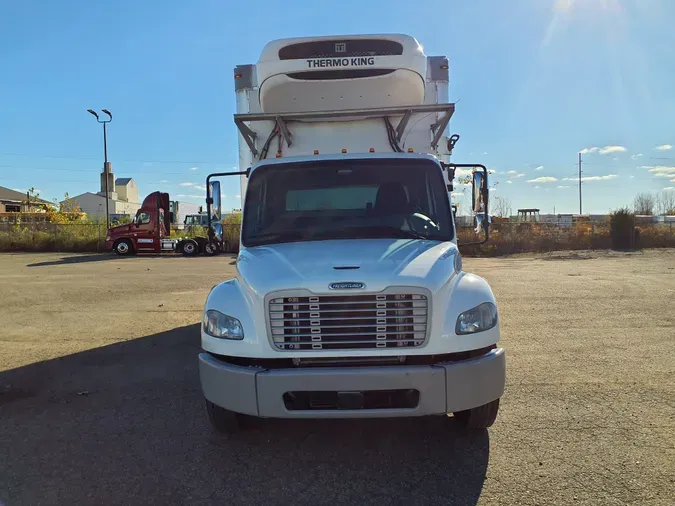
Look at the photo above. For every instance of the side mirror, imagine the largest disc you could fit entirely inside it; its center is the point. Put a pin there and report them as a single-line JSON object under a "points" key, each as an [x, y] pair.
{"points": [[216, 205], [479, 200]]}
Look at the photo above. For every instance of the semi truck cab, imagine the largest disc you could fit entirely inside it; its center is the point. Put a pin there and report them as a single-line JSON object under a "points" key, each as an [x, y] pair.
{"points": [[150, 229]]}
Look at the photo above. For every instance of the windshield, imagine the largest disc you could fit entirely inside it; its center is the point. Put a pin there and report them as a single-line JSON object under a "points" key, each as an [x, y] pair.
{"points": [[346, 199]]}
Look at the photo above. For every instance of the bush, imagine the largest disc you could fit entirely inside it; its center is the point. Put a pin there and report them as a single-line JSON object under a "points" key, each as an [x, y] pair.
{"points": [[622, 226]]}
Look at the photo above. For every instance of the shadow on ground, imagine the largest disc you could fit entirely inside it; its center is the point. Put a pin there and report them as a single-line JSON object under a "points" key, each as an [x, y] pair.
{"points": [[80, 259], [126, 424]]}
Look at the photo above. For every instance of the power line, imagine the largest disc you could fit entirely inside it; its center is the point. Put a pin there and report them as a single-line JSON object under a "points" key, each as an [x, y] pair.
{"points": [[192, 162], [83, 170]]}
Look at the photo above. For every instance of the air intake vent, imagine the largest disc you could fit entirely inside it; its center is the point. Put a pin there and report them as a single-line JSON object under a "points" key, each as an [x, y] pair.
{"points": [[340, 48], [332, 75]]}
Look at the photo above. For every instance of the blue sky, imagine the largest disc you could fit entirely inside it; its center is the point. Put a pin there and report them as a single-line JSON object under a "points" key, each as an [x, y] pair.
{"points": [[535, 82]]}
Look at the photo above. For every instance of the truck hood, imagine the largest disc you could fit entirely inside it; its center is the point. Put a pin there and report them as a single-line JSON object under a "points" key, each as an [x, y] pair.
{"points": [[378, 263], [119, 230]]}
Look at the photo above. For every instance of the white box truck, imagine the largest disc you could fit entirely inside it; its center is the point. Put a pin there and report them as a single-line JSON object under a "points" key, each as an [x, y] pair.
{"points": [[349, 298]]}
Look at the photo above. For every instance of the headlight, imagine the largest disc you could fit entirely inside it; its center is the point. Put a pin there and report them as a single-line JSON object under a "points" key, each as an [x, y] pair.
{"points": [[458, 262], [482, 317], [220, 325]]}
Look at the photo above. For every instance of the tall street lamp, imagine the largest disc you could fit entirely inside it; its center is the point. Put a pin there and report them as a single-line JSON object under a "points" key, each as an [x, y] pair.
{"points": [[106, 164]]}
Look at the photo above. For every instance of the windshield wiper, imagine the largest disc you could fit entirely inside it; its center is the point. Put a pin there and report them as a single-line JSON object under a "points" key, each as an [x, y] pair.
{"points": [[390, 232], [272, 237]]}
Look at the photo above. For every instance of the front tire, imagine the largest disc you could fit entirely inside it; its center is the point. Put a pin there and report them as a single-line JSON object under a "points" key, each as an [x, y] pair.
{"points": [[481, 417], [226, 421], [123, 247]]}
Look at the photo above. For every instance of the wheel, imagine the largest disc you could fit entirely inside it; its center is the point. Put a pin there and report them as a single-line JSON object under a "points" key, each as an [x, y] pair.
{"points": [[226, 421], [123, 247], [190, 248], [211, 248], [481, 417]]}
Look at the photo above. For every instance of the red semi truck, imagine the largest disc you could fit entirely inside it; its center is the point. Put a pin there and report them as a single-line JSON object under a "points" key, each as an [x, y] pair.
{"points": [[150, 230]]}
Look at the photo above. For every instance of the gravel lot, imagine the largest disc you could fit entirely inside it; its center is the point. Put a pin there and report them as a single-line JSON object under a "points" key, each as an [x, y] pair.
{"points": [[100, 400]]}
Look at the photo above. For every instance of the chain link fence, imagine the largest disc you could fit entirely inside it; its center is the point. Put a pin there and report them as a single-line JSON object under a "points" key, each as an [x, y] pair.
{"points": [[505, 238]]}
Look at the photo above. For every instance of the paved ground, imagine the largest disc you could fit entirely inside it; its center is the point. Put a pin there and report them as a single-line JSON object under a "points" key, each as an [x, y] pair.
{"points": [[100, 400]]}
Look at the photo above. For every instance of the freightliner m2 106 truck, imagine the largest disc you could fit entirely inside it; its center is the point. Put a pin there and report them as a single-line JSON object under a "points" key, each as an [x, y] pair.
{"points": [[349, 298]]}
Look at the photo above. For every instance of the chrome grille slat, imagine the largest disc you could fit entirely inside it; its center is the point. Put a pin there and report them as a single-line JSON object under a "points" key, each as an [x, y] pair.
{"points": [[342, 310], [347, 322], [340, 318]]}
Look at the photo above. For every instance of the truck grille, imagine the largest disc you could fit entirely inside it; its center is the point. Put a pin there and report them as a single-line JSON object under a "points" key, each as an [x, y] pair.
{"points": [[347, 322]]}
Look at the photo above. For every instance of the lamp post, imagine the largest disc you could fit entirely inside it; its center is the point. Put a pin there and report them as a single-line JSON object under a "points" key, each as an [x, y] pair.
{"points": [[106, 165]]}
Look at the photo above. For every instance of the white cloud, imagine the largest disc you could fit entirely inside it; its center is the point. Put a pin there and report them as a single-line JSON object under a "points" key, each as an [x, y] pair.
{"points": [[190, 196], [197, 187], [541, 167], [463, 172], [664, 147], [670, 188], [237, 196], [635, 157], [631, 177], [591, 178], [603, 151], [485, 152], [562, 187], [537, 186], [660, 170], [509, 182], [164, 181], [543, 179], [514, 174], [186, 184], [612, 149], [194, 168]]}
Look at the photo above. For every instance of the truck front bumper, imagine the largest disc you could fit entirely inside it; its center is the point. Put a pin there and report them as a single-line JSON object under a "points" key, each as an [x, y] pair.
{"points": [[439, 388]]}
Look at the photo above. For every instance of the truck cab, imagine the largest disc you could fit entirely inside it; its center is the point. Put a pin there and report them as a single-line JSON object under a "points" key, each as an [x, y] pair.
{"points": [[350, 298], [147, 229], [150, 230]]}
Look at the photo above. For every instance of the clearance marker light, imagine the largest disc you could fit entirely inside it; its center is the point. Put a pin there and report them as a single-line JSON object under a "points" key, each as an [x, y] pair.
{"points": [[410, 150], [344, 150], [316, 151], [372, 150], [278, 154]]}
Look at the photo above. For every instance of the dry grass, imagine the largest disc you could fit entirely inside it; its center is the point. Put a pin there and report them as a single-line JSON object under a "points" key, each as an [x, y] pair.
{"points": [[505, 238], [52, 237], [509, 238]]}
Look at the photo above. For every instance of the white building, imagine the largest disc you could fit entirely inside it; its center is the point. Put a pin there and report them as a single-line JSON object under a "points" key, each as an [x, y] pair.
{"points": [[122, 198]]}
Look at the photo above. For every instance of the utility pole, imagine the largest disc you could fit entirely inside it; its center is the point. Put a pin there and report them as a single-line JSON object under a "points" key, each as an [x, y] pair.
{"points": [[579, 183], [106, 164]]}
